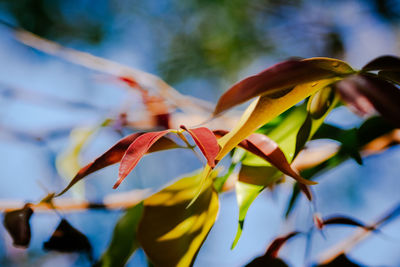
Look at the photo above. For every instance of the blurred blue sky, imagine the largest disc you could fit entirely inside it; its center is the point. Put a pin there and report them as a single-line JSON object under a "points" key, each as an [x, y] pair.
{"points": [[136, 39]]}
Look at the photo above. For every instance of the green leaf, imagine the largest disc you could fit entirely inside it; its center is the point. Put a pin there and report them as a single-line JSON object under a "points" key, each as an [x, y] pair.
{"points": [[124, 240], [258, 175], [354, 140], [319, 106], [170, 232], [245, 194], [284, 134]]}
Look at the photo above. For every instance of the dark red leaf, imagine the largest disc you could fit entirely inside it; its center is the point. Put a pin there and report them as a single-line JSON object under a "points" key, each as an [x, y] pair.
{"points": [[206, 141], [383, 63], [274, 80], [136, 151], [115, 154], [364, 92], [342, 220], [267, 149], [68, 239], [276, 245], [17, 224], [266, 262], [270, 256]]}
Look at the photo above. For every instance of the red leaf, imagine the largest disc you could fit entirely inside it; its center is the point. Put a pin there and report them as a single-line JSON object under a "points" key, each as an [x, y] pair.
{"points": [[363, 92], [278, 79], [114, 155], [383, 63], [136, 151], [206, 141], [267, 149], [130, 81], [275, 246]]}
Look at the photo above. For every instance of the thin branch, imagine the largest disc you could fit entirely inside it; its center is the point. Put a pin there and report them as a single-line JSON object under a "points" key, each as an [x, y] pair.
{"points": [[110, 202], [348, 243], [146, 80]]}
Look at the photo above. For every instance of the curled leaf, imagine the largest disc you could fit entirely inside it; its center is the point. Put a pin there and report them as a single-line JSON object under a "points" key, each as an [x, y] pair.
{"points": [[319, 103], [68, 239], [279, 78], [383, 63], [136, 150], [206, 141], [17, 224]]}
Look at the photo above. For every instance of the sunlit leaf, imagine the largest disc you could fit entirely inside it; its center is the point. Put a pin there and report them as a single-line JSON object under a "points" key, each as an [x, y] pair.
{"points": [[124, 240], [383, 63], [280, 79], [319, 106], [340, 261], [264, 109], [115, 154], [245, 195], [66, 238], [284, 134], [258, 175], [206, 141], [135, 152], [17, 224], [267, 149], [170, 232]]}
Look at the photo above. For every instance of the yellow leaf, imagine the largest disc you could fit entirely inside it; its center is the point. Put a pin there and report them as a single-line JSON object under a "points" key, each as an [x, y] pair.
{"points": [[172, 233], [264, 109]]}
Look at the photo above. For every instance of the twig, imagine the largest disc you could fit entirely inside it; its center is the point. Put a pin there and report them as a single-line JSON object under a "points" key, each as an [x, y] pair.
{"points": [[146, 80]]}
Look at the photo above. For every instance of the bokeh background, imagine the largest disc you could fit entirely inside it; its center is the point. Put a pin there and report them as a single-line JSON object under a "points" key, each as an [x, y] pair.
{"points": [[200, 47]]}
